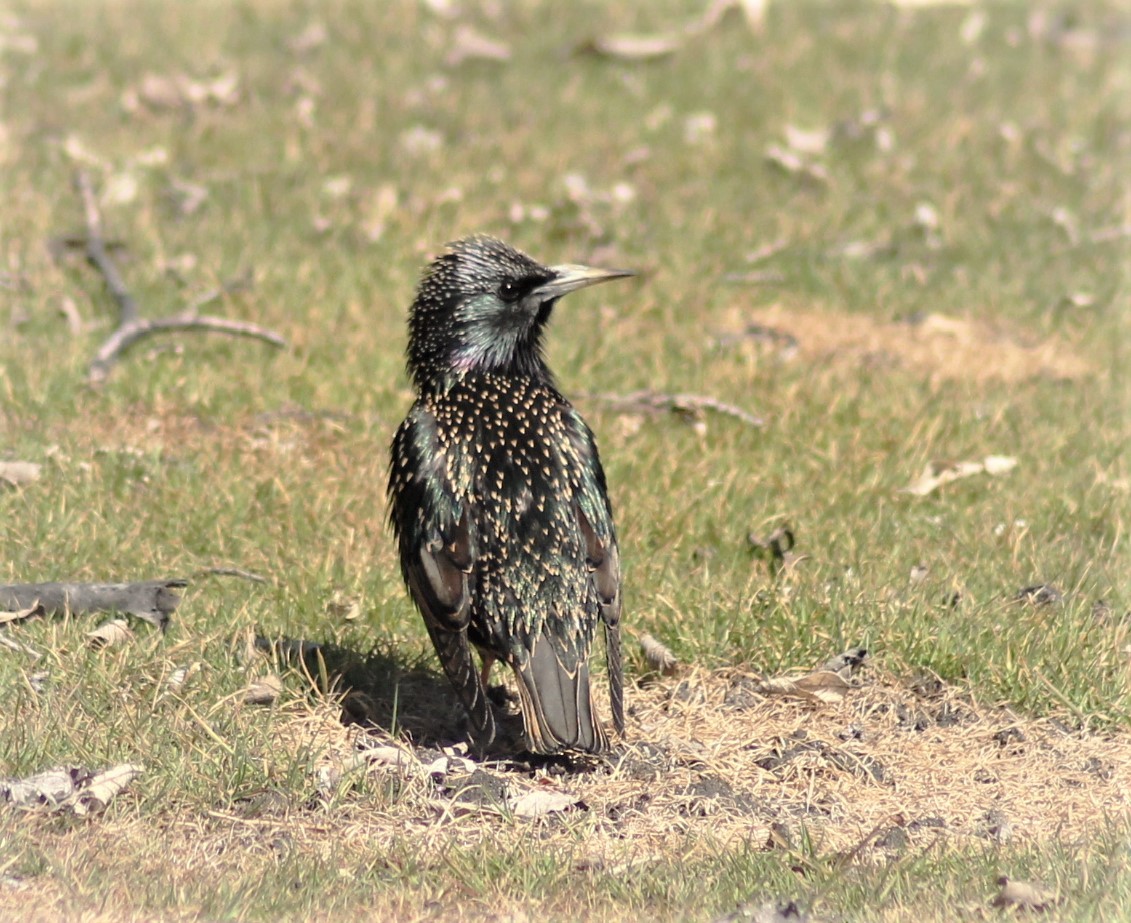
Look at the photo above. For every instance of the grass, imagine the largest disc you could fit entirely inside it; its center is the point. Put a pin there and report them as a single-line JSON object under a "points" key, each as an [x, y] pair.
{"points": [[332, 176]]}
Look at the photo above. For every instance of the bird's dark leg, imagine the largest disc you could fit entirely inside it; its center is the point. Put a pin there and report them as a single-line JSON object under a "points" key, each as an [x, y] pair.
{"points": [[616, 675]]}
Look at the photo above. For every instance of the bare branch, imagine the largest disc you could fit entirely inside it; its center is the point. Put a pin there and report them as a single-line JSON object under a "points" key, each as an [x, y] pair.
{"points": [[131, 325], [97, 253], [151, 600], [128, 334]]}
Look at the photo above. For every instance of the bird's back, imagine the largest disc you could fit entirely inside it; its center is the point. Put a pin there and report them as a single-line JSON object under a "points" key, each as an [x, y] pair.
{"points": [[522, 466], [513, 461]]}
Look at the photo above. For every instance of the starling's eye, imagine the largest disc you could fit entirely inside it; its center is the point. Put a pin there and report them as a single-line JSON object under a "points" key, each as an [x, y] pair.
{"points": [[509, 290]]}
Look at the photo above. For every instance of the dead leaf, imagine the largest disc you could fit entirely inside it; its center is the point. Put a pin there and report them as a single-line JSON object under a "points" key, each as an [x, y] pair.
{"points": [[179, 91], [468, 44], [864, 249], [179, 677], [110, 634], [699, 127], [1041, 594], [659, 656], [787, 912], [103, 787], [626, 47], [418, 140], [791, 161], [19, 615], [344, 607], [14, 473], [220, 91], [77, 151], [156, 156], [313, 36], [159, 91], [538, 802], [337, 187], [847, 663], [641, 47], [49, 788], [187, 197], [1024, 895], [388, 755], [821, 686], [381, 206], [807, 141], [120, 188], [938, 473], [926, 216], [264, 691], [74, 789]]}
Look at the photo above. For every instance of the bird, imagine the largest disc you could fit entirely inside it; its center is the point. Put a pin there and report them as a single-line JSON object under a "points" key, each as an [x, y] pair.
{"points": [[498, 499]]}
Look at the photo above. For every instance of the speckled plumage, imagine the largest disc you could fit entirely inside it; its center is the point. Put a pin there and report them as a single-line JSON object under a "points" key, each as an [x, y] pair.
{"points": [[498, 497]]}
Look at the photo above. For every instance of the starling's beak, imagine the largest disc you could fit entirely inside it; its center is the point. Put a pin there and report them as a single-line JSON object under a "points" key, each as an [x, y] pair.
{"points": [[570, 278]]}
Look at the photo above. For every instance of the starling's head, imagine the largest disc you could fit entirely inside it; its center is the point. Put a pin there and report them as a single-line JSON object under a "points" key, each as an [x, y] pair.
{"points": [[482, 305]]}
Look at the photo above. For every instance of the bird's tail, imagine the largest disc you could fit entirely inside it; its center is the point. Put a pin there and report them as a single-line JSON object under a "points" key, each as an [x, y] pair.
{"points": [[557, 706]]}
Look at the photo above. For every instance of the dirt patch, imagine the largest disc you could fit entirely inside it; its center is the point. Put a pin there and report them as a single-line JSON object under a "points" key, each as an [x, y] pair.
{"points": [[937, 345], [710, 761]]}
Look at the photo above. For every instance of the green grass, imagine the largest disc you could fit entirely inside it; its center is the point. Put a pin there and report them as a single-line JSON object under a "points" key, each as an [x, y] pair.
{"points": [[170, 466]]}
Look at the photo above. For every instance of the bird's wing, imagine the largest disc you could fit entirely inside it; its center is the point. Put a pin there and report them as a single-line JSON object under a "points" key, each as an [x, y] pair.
{"points": [[602, 555], [437, 555]]}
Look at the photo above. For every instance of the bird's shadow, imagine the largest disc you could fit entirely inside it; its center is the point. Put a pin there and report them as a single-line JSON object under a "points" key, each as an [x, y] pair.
{"points": [[390, 693]]}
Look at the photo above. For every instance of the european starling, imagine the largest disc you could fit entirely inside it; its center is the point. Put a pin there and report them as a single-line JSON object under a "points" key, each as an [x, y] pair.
{"points": [[498, 497]]}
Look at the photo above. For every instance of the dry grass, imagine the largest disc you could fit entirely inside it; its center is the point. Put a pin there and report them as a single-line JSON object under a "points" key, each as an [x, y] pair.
{"points": [[710, 762], [710, 766]]}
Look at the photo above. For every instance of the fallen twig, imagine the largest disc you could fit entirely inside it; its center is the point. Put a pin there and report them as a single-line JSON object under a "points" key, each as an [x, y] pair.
{"points": [[131, 325], [654, 402], [151, 600], [231, 572]]}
